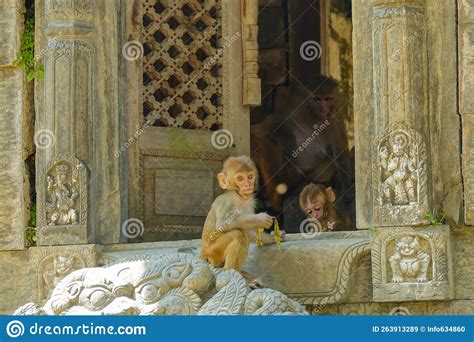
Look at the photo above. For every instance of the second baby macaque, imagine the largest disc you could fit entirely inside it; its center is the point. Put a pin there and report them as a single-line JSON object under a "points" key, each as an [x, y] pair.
{"points": [[318, 202]]}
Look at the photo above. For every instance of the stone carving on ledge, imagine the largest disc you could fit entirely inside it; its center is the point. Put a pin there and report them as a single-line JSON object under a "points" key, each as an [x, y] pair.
{"points": [[168, 284], [411, 264], [62, 198], [77, 8], [400, 177], [52, 264]]}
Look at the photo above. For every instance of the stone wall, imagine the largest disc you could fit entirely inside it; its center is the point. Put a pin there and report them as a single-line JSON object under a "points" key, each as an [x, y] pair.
{"points": [[15, 130]]}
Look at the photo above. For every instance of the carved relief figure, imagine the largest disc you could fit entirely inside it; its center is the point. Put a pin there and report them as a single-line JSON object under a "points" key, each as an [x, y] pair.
{"points": [[62, 193], [62, 266], [399, 171], [409, 263]]}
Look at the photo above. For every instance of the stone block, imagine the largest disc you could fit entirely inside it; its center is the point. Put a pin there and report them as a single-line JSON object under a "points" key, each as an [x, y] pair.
{"points": [[11, 26], [14, 204], [412, 264], [15, 280]]}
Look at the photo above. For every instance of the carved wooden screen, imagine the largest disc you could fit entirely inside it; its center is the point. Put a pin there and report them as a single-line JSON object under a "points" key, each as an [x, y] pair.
{"points": [[182, 63]]}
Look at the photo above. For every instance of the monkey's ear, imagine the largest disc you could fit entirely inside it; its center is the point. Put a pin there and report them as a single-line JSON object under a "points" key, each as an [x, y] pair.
{"points": [[330, 194], [223, 183]]}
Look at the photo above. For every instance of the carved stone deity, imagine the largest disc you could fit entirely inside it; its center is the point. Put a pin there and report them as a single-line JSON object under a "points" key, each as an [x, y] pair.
{"points": [[399, 168], [409, 263], [168, 284], [62, 266], [62, 193]]}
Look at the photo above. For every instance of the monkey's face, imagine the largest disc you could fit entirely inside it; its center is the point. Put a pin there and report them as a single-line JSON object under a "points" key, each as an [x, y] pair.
{"points": [[323, 105], [315, 209], [245, 183]]}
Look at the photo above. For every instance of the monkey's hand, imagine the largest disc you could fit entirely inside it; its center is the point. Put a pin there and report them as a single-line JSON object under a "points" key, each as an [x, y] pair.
{"points": [[263, 220], [332, 226], [282, 235]]}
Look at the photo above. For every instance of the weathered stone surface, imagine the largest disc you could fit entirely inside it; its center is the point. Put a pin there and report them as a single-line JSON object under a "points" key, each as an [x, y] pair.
{"points": [[11, 26], [49, 265], [466, 101], [14, 204], [173, 284], [16, 280], [412, 264]]}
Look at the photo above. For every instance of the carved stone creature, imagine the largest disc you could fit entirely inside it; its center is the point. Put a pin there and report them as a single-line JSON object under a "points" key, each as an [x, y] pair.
{"points": [[409, 263], [171, 284]]}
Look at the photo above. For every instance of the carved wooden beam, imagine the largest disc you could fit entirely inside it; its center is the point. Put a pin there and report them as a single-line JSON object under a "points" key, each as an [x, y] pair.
{"points": [[251, 83]]}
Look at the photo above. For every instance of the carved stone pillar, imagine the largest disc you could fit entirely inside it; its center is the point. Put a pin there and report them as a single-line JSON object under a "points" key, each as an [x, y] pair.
{"points": [[392, 116], [76, 125]]}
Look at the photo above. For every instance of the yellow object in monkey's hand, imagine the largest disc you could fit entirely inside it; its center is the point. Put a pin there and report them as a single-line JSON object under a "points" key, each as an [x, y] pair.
{"points": [[276, 231]]}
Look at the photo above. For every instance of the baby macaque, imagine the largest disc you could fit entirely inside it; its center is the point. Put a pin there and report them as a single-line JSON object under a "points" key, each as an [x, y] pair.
{"points": [[317, 201], [232, 222]]}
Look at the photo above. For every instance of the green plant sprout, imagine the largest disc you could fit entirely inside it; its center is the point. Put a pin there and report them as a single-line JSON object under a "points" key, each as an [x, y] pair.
{"points": [[26, 57], [435, 220]]}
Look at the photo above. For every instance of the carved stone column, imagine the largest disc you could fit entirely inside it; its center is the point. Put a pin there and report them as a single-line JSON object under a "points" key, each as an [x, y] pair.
{"points": [[76, 125], [392, 116]]}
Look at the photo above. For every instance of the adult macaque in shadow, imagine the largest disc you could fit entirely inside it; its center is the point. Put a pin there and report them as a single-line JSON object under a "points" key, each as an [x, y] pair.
{"points": [[303, 143], [318, 203], [232, 223]]}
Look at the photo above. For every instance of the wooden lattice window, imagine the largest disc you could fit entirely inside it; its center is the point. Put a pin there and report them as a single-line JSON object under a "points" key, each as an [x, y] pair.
{"points": [[182, 63]]}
